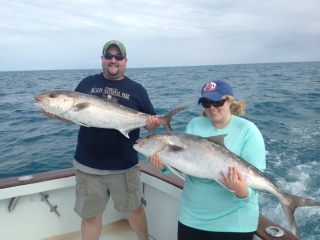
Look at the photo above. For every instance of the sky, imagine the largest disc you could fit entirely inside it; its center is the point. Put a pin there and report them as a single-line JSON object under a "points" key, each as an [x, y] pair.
{"points": [[70, 34]]}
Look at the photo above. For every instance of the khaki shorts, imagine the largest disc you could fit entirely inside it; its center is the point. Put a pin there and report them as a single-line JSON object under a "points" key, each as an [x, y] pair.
{"points": [[93, 192]]}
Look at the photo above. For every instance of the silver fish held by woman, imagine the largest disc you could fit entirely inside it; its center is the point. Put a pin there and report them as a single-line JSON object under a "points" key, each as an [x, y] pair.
{"points": [[206, 157], [92, 111]]}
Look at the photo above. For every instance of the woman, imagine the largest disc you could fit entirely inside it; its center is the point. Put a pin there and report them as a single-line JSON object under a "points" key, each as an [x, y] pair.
{"points": [[207, 210]]}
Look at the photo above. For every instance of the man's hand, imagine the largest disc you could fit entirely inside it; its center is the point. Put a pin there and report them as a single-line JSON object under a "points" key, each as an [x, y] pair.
{"points": [[152, 123], [53, 116]]}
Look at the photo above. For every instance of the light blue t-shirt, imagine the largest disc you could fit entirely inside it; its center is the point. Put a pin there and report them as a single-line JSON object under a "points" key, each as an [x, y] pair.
{"points": [[204, 203]]}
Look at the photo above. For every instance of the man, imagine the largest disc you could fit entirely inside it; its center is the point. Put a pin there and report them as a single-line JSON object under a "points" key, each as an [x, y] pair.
{"points": [[105, 160]]}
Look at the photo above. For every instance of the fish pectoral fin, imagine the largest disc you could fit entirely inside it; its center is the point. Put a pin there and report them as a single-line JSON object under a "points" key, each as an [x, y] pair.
{"points": [[175, 148], [176, 172], [82, 124], [81, 106], [177, 144]]}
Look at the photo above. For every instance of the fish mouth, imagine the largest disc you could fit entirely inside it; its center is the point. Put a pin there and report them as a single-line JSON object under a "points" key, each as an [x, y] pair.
{"points": [[40, 100], [135, 146]]}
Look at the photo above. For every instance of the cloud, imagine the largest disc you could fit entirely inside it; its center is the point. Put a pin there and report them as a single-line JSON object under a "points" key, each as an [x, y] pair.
{"points": [[69, 34]]}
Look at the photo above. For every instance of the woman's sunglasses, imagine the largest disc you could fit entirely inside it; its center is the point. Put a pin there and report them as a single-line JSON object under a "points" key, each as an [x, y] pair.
{"points": [[109, 56], [220, 103]]}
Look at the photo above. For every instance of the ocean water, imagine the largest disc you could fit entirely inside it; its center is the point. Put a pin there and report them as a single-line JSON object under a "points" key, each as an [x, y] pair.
{"points": [[283, 100]]}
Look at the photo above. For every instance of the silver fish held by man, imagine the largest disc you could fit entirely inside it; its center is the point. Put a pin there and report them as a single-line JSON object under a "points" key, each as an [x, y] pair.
{"points": [[206, 157], [92, 111]]}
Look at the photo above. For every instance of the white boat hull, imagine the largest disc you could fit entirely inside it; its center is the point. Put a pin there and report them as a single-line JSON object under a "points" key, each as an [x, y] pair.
{"points": [[33, 218]]}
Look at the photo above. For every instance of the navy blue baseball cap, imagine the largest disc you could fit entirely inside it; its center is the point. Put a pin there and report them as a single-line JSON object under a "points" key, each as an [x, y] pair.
{"points": [[215, 90]]}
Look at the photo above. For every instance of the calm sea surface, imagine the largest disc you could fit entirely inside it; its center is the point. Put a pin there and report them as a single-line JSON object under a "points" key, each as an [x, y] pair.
{"points": [[283, 100]]}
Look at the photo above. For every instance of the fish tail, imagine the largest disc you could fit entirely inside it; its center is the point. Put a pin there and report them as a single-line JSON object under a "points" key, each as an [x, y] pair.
{"points": [[165, 120], [290, 203]]}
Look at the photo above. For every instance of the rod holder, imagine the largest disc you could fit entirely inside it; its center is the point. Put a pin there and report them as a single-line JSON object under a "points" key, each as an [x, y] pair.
{"points": [[13, 203], [52, 208]]}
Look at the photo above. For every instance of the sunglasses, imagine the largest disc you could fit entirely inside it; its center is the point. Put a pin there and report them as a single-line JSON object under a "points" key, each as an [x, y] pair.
{"points": [[220, 103], [109, 56]]}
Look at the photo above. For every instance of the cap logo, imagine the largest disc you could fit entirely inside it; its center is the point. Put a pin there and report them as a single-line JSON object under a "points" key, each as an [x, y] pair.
{"points": [[211, 86]]}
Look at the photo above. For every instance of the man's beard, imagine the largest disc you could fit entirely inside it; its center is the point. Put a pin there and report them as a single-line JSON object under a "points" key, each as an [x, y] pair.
{"points": [[113, 73]]}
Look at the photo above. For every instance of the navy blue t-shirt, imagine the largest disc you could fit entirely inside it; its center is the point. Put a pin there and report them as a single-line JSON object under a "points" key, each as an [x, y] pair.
{"points": [[109, 149]]}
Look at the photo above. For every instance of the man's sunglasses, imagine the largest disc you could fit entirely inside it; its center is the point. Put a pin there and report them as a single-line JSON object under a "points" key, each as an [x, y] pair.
{"points": [[109, 56], [220, 103]]}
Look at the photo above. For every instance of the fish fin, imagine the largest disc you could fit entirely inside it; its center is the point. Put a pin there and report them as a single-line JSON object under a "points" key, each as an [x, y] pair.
{"points": [[289, 212], [81, 106], [290, 203], [82, 124], [113, 100], [176, 144], [176, 172], [175, 148], [125, 132], [219, 139], [165, 120]]}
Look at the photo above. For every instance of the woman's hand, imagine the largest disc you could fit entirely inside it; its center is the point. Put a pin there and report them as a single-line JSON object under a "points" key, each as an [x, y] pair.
{"points": [[156, 161], [235, 182]]}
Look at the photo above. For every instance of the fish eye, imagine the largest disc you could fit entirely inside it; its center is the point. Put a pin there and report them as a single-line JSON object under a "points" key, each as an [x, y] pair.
{"points": [[52, 95]]}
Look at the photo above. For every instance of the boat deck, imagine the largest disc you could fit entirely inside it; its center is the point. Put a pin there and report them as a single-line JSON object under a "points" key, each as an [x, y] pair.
{"points": [[119, 230]]}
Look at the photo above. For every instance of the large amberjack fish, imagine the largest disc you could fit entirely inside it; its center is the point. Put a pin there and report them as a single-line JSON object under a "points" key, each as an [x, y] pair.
{"points": [[92, 111], [206, 157]]}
